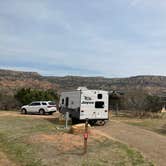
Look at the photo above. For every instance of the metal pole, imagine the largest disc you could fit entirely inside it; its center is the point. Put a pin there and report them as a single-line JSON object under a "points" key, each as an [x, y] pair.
{"points": [[67, 118]]}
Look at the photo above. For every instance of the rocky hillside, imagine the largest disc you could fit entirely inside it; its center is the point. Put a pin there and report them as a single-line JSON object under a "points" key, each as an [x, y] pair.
{"points": [[10, 81], [150, 84]]}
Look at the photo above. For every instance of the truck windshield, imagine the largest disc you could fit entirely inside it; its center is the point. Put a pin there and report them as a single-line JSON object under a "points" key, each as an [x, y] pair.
{"points": [[99, 104]]}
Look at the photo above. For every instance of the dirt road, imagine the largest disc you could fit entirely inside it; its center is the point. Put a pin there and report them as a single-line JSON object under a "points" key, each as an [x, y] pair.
{"points": [[18, 114], [150, 144]]}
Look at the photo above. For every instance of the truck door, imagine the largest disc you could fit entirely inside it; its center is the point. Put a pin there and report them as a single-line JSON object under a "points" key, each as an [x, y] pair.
{"points": [[34, 107], [31, 107]]}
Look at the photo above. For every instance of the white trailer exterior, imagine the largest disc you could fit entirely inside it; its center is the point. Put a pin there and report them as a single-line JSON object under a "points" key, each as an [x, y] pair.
{"points": [[85, 104]]}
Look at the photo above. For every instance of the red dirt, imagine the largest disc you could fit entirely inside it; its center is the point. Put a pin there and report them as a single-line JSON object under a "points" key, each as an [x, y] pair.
{"points": [[66, 141], [4, 161], [63, 141]]}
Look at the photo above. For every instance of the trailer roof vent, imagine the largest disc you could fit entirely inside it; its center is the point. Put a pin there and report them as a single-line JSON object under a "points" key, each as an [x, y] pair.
{"points": [[82, 88]]}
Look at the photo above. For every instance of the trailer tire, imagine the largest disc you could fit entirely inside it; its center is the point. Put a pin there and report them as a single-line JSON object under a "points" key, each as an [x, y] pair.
{"points": [[101, 122]]}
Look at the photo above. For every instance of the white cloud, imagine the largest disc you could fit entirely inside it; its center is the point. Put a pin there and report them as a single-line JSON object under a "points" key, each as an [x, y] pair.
{"points": [[116, 41], [161, 4]]}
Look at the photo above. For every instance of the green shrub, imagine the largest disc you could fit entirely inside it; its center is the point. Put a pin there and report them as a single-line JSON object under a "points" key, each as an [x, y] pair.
{"points": [[25, 96]]}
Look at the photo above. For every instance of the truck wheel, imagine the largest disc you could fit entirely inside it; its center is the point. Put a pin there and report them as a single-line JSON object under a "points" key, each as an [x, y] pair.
{"points": [[24, 111], [41, 111], [101, 122]]}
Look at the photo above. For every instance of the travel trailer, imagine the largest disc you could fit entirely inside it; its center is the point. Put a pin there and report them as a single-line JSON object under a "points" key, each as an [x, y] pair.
{"points": [[82, 104]]}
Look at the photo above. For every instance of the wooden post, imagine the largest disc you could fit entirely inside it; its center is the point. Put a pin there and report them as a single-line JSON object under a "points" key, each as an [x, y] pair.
{"points": [[86, 136]]}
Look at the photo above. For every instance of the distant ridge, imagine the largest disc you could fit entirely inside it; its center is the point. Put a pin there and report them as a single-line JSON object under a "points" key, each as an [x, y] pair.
{"points": [[4, 72], [11, 80]]}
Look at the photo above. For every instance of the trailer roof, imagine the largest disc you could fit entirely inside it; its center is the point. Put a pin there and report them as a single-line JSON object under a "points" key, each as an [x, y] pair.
{"points": [[98, 90]]}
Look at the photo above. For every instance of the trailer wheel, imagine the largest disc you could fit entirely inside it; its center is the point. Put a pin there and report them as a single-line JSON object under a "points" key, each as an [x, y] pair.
{"points": [[101, 122]]}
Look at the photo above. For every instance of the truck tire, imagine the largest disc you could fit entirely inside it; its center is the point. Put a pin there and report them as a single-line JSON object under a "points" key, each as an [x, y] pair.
{"points": [[24, 111], [42, 112]]}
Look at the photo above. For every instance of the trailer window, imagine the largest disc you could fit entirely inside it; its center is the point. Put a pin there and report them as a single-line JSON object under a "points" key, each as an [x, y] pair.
{"points": [[99, 104], [99, 96], [67, 102]]}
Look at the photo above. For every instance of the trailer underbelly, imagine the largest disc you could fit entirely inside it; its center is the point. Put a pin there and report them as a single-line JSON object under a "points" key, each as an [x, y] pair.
{"points": [[94, 114]]}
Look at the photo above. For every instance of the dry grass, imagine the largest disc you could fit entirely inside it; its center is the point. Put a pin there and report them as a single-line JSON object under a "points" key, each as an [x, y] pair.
{"points": [[5, 161], [38, 140]]}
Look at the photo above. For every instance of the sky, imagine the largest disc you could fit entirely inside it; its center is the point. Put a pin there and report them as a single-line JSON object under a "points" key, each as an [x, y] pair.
{"points": [[107, 38]]}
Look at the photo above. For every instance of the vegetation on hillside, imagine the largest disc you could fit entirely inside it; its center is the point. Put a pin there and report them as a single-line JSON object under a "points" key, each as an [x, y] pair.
{"points": [[136, 89], [8, 102], [136, 101], [25, 96]]}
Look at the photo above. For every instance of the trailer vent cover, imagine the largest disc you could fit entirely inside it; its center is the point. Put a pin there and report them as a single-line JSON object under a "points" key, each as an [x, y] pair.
{"points": [[99, 96]]}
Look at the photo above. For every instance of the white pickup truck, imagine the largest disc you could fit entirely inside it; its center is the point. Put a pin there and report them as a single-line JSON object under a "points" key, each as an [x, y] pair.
{"points": [[40, 107]]}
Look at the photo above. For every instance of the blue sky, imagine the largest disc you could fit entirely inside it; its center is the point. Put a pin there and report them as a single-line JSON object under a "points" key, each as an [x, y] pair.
{"points": [[84, 37]]}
